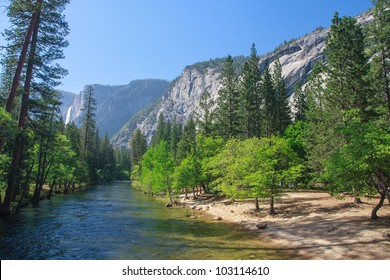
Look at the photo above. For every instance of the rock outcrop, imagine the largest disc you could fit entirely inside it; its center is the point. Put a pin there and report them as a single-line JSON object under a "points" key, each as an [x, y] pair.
{"points": [[117, 104], [182, 97]]}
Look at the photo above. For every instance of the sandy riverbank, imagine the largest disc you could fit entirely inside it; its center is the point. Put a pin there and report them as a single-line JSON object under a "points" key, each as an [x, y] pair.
{"points": [[312, 225]]}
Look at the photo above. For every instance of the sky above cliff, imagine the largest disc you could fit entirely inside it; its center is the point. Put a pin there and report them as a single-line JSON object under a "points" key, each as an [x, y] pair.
{"points": [[114, 42]]}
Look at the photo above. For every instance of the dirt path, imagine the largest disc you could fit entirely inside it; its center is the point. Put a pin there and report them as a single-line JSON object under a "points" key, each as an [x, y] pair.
{"points": [[314, 225]]}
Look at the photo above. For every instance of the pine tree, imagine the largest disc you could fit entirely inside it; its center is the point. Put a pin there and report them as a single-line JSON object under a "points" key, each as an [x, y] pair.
{"points": [[163, 131], [89, 134], [175, 137], [282, 108], [40, 51], [106, 159], [88, 121], [299, 103], [347, 67], [187, 143], [378, 40], [139, 146], [228, 113], [205, 117], [251, 100], [269, 98]]}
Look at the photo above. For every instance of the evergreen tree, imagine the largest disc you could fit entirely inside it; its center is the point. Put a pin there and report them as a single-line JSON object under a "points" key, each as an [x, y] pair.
{"points": [[163, 131], [187, 143], [299, 103], [269, 98], [378, 40], [205, 117], [347, 67], [251, 101], [175, 137], [89, 134], [105, 159], [44, 23], [139, 146], [228, 112], [282, 108]]}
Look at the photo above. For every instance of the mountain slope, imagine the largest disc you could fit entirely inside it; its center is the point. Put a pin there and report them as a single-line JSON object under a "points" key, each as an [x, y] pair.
{"points": [[117, 104], [181, 99]]}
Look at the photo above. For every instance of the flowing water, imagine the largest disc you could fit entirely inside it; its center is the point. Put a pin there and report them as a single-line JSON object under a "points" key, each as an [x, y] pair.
{"points": [[116, 222]]}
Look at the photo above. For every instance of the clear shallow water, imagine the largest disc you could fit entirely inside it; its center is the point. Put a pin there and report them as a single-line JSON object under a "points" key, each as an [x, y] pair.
{"points": [[115, 222]]}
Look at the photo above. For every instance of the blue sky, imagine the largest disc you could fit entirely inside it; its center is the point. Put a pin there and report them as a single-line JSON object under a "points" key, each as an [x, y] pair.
{"points": [[114, 42]]}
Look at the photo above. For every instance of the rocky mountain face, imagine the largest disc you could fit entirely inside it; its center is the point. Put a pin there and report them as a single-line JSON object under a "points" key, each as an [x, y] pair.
{"points": [[67, 99], [115, 104], [181, 99]]}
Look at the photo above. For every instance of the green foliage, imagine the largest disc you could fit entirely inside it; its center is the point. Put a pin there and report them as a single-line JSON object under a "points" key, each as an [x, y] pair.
{"points": [[228, 119], [206, 149], [282, 108], [188, 174], [269, 98], [238, 63], [300, 106], [157, 169], [379, 49], [250, 97], [163, 131], [205, 118], [361, 163], [187, 142], [139, 146], [256, 167]]}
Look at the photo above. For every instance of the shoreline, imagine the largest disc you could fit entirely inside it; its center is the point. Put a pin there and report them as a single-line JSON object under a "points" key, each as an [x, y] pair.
{"points": [[312, 225]]}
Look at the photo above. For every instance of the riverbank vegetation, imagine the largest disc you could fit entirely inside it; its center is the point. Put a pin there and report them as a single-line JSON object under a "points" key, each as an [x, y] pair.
{"points": [[248, 144], [36, 148]]}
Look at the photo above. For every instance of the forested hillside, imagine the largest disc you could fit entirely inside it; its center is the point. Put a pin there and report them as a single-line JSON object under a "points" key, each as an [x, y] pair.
{"points": [[249, 143]]}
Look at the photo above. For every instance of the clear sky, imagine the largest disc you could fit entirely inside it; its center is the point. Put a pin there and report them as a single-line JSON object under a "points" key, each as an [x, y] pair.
{"points": [[114, 42]]}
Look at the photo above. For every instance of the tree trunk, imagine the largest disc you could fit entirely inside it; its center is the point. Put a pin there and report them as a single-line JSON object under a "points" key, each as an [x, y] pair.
{"points": [[50, 194], [22, 59], [356, 197], [13, 177], [12, 180], [257, 203], [271, 207], [374, 212]]}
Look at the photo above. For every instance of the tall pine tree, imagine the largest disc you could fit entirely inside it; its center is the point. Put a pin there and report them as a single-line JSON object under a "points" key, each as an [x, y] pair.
{"points": [[251, 101], [228, 111], [282, 108]]}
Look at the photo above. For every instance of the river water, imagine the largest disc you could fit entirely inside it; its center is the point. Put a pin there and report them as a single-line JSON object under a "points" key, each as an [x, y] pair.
{"points": [[116, 222]]}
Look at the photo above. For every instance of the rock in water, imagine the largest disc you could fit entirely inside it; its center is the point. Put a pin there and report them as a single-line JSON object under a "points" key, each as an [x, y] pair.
{"points": [[168, 205], [262, 226]]}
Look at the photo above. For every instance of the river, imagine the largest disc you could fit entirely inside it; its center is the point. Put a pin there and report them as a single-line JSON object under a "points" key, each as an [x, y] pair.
{"points": [[114, 221]]}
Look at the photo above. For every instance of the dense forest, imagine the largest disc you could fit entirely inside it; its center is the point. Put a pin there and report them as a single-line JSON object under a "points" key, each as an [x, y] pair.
{"points": [[251, 143], [39, 155]]}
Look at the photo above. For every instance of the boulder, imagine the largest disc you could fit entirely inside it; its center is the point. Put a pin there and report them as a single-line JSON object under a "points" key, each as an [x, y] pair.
{"points": [[262, 226]]}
